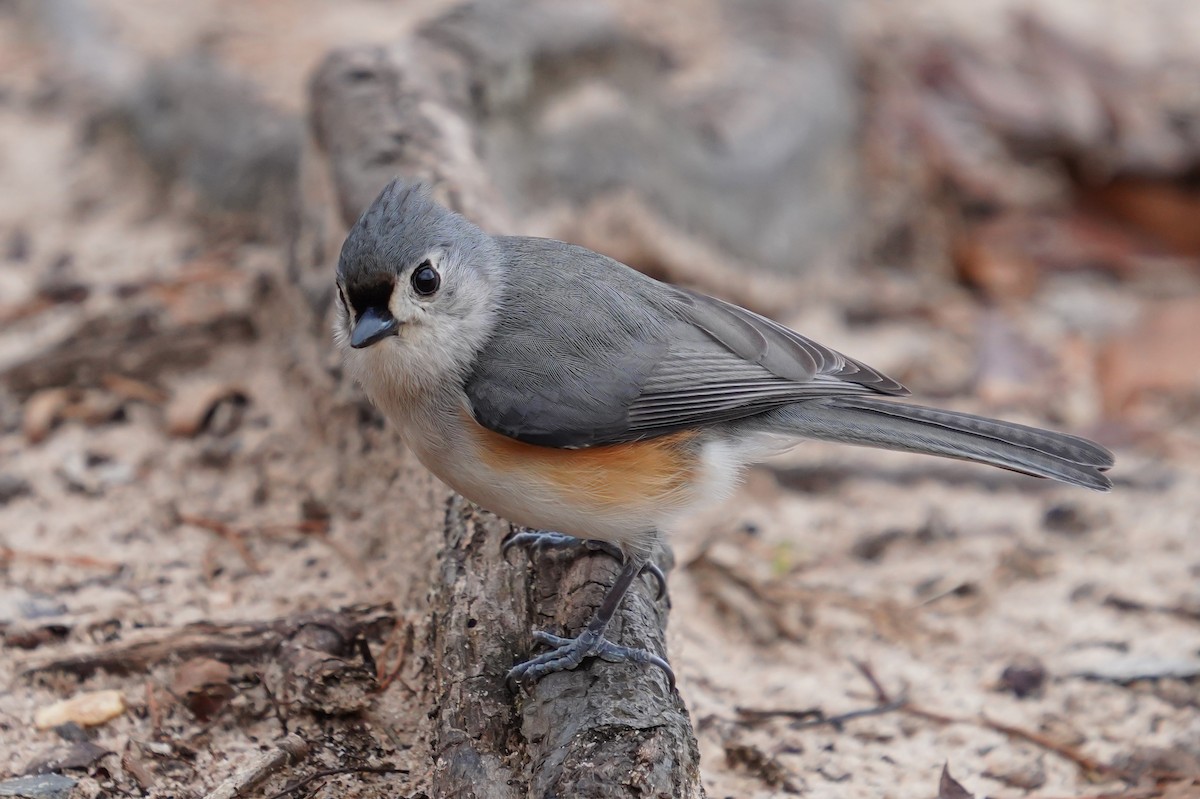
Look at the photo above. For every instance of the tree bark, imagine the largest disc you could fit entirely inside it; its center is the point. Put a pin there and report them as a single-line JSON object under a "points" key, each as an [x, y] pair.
{"points": [[603, 730]]}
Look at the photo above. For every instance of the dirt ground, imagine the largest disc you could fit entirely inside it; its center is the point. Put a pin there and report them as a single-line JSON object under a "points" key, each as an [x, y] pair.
{"points": [[1040, 640]]}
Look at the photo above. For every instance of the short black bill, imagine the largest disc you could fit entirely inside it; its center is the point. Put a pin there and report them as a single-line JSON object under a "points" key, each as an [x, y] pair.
{"points": [[375, 324]]}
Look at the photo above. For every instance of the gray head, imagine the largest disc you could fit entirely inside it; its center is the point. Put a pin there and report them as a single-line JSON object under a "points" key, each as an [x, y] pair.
{"points": [[416, 288]]}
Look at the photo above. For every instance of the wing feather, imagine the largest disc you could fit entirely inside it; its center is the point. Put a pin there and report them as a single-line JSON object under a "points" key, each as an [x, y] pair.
{"points": [[591, 352]]}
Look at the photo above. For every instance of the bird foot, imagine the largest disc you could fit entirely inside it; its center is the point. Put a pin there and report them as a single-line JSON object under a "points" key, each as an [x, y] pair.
{"points": [[568, 653], [538, 541]]}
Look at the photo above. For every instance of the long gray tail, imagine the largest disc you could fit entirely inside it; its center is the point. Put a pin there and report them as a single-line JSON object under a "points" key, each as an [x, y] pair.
{"points": [[886, 424]]}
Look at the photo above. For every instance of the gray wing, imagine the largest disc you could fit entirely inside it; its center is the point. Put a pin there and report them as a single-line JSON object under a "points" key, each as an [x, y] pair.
{"points": [[588, 351]]}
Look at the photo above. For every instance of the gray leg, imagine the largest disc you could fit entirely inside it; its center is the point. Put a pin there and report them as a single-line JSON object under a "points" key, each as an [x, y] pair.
{"points": [[568, 653], [539, 540]]}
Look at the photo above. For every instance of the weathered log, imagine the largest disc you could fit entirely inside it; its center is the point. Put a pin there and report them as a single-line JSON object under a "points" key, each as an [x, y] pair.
{"points": [[602, 730]]}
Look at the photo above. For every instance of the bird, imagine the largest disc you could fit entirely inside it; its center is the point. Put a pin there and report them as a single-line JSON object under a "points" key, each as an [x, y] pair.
{"points": [[588, 403]]}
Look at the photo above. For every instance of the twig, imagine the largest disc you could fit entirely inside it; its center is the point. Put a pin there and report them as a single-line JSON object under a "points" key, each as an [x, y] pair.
{"points": [[336, 772], [235, 537], [290, 750], [840, 719], [276, 703], [1060, 749], [153, 708], [85, 561], [755, 715], [888, 704], [1086, 763], [235, 642], [864, 668], [400, 650], [1148, 794]]}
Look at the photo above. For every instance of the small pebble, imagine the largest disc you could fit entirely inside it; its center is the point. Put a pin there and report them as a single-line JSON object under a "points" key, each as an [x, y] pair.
{"points": [[42, 786], [12, 487], [1024, 677]]}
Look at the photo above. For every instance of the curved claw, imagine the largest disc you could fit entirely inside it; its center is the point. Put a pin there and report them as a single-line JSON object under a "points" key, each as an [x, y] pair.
{"points": [[569, 653], [659, 577], [540, 540]]}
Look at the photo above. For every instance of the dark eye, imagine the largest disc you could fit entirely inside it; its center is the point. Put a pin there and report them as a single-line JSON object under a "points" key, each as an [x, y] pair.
{"points": [[425, 280], [342, 299]]}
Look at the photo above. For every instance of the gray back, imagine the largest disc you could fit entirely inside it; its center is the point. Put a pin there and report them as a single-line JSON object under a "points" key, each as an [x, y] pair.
{"points": [[588, 351]]}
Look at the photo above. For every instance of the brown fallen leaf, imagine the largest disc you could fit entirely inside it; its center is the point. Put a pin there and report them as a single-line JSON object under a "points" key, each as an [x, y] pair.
{"points": [[1159, 356], [1000, 267], [80, 754], [192, 408], [202, 684], [761, 764], [137, 390], [87, 710], [93, 407], [950, 788], [42, 411], [135, 768], [1156, 209]]}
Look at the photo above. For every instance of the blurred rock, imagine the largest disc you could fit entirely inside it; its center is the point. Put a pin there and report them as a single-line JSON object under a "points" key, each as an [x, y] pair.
{"points": [[12, 487], [1066, 518], [755, 159], [80, 754], [42, 786], [210, 130], [93, 473], [873, 546], [1024, 677], [1026, 773]]}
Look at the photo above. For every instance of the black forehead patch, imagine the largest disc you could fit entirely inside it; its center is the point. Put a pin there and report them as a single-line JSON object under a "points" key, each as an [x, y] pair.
{"points": [[370, 291]]}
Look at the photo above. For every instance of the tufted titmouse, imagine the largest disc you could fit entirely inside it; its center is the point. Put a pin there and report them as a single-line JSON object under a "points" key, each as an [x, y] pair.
{"points": [[568, 392]]}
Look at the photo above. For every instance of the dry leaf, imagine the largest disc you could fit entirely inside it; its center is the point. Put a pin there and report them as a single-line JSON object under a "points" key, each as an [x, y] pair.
{"points": [[203, 685], [192, 408], [1155, 209], [42, 411], [129, 389], [86, 710], [1159, 356], [950, 788], [80, 754]]}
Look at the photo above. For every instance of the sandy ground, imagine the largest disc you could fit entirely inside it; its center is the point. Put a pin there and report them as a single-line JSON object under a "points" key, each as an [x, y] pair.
{"points": [[831, 564]]}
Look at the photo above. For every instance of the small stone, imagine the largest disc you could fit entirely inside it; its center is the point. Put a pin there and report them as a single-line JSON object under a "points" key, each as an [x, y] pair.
{"points": [[1065, 519], [42, 786], [40, 606], [17, 248], [92, 473], [872, 546], [76, 756], [12, 487], [86, 710], [1024, 677], [1016, 772]]}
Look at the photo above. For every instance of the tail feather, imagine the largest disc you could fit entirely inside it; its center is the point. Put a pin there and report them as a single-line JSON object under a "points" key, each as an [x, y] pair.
{"points": [[893, 425]]}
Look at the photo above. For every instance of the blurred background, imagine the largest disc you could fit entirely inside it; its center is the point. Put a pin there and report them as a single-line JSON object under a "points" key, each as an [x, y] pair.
{"points": [[997, 203]]}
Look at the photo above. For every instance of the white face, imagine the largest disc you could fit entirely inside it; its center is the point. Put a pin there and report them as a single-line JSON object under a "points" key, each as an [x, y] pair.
{"points": [[413, 333]]}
